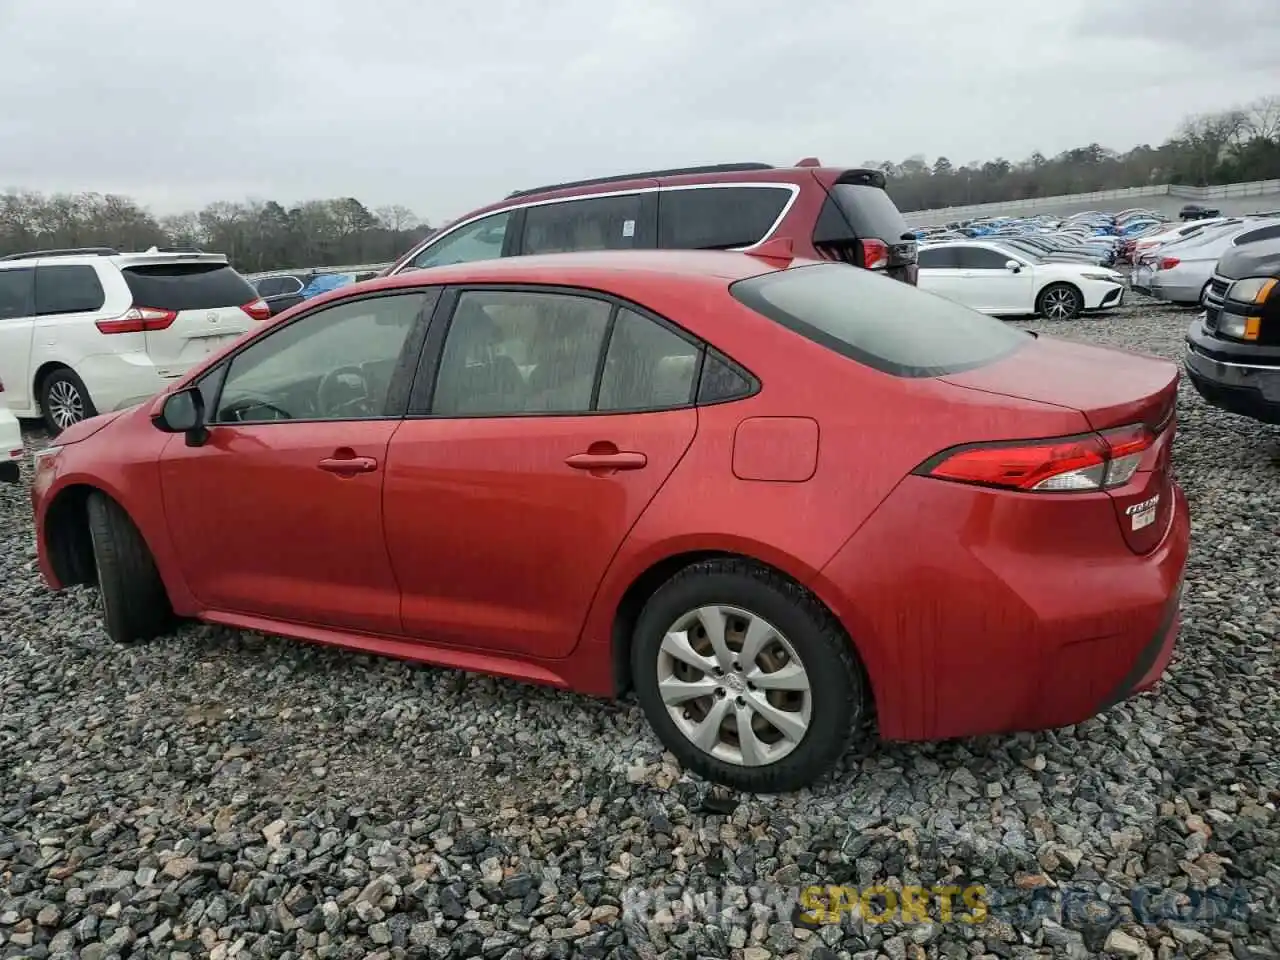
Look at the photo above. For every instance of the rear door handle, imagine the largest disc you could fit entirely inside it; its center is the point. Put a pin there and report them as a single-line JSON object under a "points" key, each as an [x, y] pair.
{"points": [[607, 461], [348, 465]]}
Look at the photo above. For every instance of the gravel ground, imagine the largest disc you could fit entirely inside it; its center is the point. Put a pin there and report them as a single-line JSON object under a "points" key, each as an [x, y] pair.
{"points": [[223, 794]]}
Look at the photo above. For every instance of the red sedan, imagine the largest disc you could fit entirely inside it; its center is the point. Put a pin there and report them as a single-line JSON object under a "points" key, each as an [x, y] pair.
{"points": [[770, 497]]}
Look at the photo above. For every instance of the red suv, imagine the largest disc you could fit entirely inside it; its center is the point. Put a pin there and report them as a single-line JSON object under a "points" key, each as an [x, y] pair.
{"points": [[808, 211]]}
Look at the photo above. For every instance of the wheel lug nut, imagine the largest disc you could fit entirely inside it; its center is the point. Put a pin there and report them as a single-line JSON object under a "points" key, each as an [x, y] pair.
{"points": [[742, 702]]}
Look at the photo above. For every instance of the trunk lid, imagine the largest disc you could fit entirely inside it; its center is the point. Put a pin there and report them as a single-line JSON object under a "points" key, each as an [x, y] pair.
{"points": [[207, 300], [1111, 389]]}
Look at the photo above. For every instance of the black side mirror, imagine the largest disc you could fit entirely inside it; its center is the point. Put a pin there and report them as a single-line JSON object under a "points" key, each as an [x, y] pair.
{"points": [[183, 412]]}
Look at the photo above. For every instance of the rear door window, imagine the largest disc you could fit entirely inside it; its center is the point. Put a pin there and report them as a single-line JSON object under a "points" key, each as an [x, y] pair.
{"points": [[592, 223], [884, 324], [187, 286], [68, 288], [699, 218], [980, 258]]}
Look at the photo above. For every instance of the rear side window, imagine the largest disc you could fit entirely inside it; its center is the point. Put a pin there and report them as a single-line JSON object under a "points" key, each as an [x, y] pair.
{"points": [[980, 258], [68, 288], [187, 286], [1253, 236], [887, 325], [595, 223], [716, 218], [17, 293]]}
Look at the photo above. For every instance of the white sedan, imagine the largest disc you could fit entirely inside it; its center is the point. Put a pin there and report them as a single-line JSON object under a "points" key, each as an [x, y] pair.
{"points": [[10, 442], [995, 279]]}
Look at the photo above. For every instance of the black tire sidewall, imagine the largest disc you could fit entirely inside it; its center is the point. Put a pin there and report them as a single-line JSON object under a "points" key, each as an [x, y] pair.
{"points": [[46, 387], [837, 710]]}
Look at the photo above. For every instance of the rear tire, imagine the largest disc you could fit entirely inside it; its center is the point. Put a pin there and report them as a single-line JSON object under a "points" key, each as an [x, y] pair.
{"points": [[135, 605], [1060, 301], [64, 400], [820, 702]]}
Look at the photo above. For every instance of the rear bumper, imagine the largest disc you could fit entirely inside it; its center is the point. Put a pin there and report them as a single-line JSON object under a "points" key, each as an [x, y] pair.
{"points": [[1249, 390], [11, 450], [118, 381], [991, 624], [1175, 291]]}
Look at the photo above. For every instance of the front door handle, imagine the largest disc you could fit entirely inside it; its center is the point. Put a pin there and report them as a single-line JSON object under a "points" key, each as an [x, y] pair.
{"points": [[607, 461], [348, 466]]}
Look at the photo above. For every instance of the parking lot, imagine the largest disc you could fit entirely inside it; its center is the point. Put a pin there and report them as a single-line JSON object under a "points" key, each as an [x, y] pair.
{"points": [[219, 793]]}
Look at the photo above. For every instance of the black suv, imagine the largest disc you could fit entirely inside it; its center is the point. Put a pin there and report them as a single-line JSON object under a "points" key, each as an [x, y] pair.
{"points": [[1233, 350]]}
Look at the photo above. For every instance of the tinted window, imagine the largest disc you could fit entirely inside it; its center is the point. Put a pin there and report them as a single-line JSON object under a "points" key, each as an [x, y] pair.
{"points": [[68, 289], [980, 258], [718, 217], [721, 380], [876, 320], [603, 223], [511, 352], [1264, 233], [188, 286], [647, 367], [943, 257], [870, 211], [276, 286], [481, 240], [334, 364], [17, 293]]}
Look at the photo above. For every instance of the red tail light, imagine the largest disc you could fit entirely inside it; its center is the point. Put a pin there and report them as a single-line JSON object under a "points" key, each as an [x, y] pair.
{"points": [[139, 320], [257, 309], [875, 254], [1168, 263], [1090, 461]]}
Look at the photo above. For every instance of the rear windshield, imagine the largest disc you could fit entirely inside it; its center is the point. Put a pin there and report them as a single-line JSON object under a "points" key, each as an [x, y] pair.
{"points": [[870, 211], [188, 286], [881, 322]]}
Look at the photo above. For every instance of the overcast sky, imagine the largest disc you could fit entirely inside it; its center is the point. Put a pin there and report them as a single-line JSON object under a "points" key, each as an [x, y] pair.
{"points": [[444, 105]]}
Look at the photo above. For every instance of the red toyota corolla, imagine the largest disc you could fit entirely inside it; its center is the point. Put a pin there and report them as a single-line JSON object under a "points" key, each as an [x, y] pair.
{"points": [[769, 496]]}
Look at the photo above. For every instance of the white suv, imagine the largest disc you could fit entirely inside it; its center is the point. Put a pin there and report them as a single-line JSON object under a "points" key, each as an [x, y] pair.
{"points": [[89, 331]]}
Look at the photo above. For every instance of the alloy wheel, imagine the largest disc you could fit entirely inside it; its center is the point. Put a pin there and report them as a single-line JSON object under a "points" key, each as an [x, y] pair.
{"points": [[734, 686], [1059, 304], [66, 406]]}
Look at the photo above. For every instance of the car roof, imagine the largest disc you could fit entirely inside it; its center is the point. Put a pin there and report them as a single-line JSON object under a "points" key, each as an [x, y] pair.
{"points": [[570, 268]]}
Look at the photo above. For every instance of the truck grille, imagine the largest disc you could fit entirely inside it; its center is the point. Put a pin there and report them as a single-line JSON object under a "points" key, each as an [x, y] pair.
{"points": [[1213, 300]]}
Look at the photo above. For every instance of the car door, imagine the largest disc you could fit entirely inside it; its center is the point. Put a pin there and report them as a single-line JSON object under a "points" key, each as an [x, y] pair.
{"points": [[279, 514], [17, 325], [940, 274], [526, 460], [993, 287]]}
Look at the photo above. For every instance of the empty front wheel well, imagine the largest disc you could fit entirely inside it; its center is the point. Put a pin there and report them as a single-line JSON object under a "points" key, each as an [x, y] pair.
{"points": [[67, 540], [647, 584]]}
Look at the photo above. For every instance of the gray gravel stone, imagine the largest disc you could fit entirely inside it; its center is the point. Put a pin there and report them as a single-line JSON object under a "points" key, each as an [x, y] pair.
{"points": [[222, 794]]}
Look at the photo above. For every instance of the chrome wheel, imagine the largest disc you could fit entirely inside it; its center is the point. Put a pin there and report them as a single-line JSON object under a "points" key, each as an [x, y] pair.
{"points": [[734, 685], [1060, 304], [66, 406]]}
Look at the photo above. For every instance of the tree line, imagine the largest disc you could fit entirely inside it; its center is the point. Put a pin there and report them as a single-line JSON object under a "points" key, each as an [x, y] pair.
{"points": [[1231, 146], [1226, 147]]}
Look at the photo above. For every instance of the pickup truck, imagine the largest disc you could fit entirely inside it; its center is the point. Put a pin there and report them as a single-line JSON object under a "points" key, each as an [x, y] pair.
{"points": [[1233, 348]]}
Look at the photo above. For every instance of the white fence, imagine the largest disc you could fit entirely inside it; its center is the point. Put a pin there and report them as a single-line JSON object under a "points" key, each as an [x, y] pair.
{"points": [[1164, 197]]}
